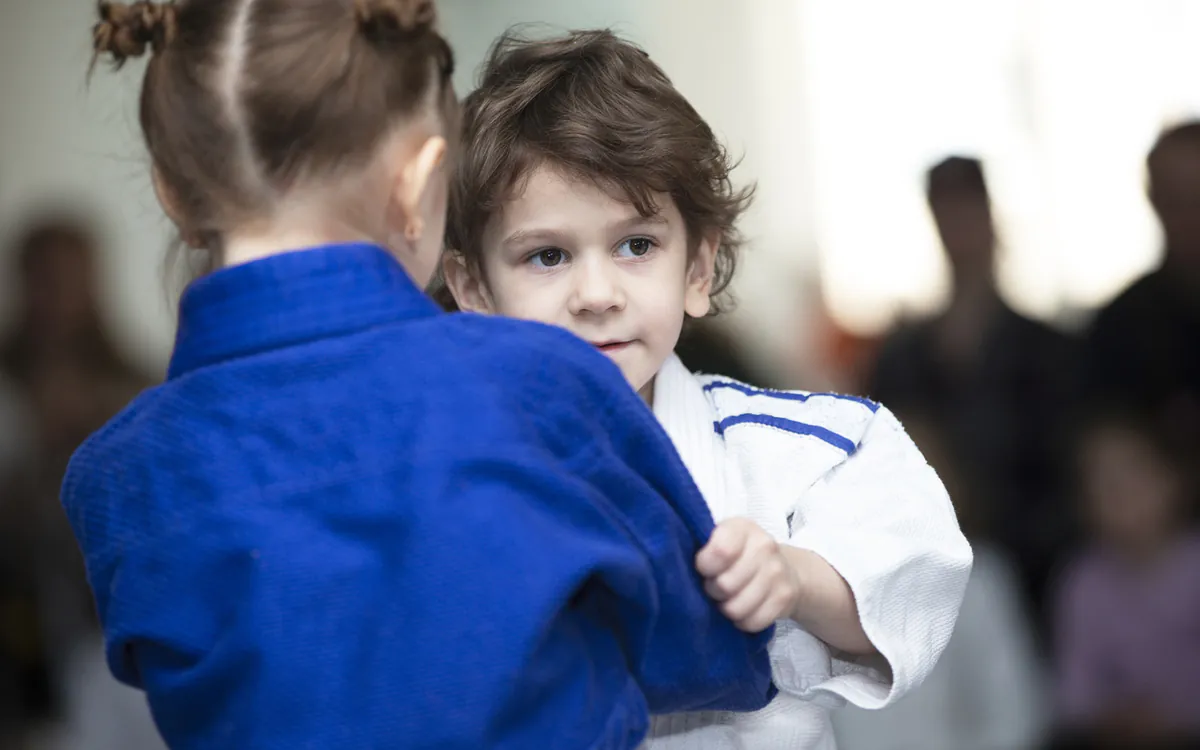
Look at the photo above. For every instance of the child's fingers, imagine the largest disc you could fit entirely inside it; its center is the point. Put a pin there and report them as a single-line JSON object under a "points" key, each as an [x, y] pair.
{"points": [[749, 600], [762, 618], [723, 549], [718, 592], [756, 552]]}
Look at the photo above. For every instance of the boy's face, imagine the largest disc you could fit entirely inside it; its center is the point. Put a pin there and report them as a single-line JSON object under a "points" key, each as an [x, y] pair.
{"points": [[567, 253]]}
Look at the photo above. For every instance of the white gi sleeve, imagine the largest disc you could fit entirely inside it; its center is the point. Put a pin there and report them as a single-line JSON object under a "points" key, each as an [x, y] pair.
{"points": [[883, 520]]}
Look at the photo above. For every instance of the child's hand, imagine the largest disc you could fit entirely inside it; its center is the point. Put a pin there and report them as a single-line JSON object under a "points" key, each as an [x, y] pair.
{"points": [[745, 570]]}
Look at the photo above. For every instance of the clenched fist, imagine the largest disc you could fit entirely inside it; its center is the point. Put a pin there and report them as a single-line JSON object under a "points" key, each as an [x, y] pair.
{"points": [[747, 572]]}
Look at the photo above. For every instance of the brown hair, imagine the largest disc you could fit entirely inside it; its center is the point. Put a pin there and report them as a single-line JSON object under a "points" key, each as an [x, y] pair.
{"points": [[245, 99], [598, 108]]}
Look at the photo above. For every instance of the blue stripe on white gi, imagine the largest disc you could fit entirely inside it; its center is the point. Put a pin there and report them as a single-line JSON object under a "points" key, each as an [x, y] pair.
{"points": [[787, 395], [788, 425]]}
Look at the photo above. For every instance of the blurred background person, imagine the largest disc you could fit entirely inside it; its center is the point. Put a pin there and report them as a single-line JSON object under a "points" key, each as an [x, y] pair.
{"points": [[1143, 349], [1128, 609], [995, 382], [66, 378]]}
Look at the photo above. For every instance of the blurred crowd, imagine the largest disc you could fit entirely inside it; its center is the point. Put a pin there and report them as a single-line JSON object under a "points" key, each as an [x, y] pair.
{"points": [[1071, 457], [1073, 461]]}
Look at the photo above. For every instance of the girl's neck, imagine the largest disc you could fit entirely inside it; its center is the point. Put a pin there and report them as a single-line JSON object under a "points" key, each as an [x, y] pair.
{"points": [[246, 247]]}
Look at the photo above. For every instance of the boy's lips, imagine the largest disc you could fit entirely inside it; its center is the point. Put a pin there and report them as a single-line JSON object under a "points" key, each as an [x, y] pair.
{"points": [[610, 347]]}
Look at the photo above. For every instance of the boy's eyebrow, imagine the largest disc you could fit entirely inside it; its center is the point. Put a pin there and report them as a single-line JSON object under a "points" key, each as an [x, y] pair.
{"points": [[637, 220], [522, 236]]}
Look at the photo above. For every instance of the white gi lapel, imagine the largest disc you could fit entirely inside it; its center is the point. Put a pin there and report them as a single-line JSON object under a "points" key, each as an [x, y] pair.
{"points": [[688, 418]]}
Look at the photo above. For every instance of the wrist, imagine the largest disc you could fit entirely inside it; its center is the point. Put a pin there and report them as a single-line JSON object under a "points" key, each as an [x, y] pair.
{"points": [[801, 562], [825, 604]]}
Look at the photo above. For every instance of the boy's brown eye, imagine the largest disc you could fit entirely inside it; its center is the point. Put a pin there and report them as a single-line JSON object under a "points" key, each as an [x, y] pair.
{"points": [[639, 245], [635, 247], [548, 258]]}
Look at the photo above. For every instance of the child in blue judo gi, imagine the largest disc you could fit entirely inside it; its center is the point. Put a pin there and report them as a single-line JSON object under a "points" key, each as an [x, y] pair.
{"points": [[347, 520]]}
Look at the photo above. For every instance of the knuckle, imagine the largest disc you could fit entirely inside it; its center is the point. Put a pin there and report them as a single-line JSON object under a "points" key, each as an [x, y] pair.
{"points": [[764, 544], [722, 588]]}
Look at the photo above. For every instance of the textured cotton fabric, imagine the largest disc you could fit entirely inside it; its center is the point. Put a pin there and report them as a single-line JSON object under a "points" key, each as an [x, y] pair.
{"points": [[836, 475]]}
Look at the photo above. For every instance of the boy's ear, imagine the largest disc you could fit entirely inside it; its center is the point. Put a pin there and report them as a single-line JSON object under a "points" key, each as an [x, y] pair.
{"points": [[697, 301], [468, 291]]}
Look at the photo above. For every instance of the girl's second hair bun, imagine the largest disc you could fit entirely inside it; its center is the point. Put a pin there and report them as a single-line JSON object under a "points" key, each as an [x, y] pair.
{"points": [[128, 30]]}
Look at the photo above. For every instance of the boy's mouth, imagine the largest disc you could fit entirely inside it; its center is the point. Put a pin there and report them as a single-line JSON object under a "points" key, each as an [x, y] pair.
{"points": [[611, 347]]}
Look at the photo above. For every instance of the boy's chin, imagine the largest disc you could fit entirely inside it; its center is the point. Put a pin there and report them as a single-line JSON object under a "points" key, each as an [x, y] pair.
{"points": [[639, 377]]}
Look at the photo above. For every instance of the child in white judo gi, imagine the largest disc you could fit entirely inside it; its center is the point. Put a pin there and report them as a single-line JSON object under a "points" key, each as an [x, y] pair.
{"points": [[590, 195]]}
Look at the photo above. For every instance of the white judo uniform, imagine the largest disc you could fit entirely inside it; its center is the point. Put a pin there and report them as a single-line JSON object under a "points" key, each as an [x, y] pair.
{"points": [[839, 476]]}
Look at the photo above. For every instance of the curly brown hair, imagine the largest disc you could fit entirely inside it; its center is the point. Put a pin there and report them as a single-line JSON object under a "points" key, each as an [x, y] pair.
{"points": [[598, 108]]}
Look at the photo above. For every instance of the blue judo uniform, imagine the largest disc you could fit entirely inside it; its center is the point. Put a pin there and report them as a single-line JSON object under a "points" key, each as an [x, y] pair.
{"points": [[348, 520]]}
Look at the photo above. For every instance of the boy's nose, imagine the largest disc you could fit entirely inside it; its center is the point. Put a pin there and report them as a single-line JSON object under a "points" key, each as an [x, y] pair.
{"points": [[596, 290]]}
